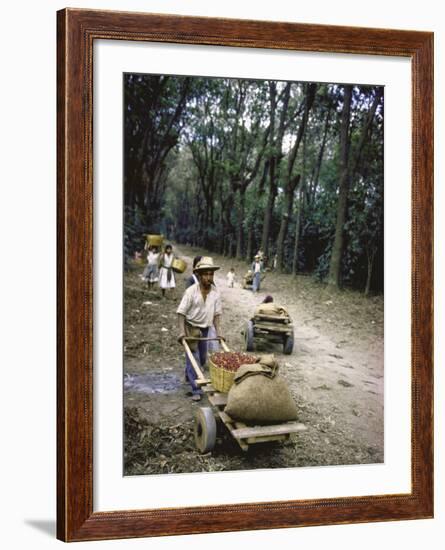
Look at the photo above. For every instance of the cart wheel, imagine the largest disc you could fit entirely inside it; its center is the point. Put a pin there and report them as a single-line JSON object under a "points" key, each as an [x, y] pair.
{"points": [[249, 336], [288, 343], [205, 430]]}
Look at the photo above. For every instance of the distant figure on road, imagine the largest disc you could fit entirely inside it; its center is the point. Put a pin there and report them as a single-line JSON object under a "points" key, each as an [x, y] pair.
{"points": [[193, 278], [231, 277], [260, 254], [256, 268]]}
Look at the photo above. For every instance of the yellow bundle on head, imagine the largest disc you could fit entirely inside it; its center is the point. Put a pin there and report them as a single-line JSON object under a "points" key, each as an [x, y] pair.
{"points": [[155, 240]]}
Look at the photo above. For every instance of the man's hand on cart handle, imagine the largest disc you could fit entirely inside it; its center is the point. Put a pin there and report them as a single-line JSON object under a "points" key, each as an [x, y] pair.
{"points": [[180, 338]]}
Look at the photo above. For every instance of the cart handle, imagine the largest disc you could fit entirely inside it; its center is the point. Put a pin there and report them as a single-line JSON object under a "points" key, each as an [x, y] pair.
{"points": [[201, 379], [194, 338], [224, 346]]}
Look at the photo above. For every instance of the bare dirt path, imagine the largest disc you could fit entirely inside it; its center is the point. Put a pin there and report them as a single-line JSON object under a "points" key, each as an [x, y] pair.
{"points": [[335, 374]]}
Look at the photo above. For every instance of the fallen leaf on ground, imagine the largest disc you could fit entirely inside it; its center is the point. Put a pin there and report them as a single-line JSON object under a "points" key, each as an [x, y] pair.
{"points": [[345, 383]]}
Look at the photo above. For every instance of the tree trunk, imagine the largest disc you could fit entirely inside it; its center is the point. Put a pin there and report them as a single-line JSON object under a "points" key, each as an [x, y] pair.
{"points": [[226, 240], [221, 245], [297, 231], [269, 208], [371, 256], [320, 156], [334, 277], [240, 222], [289, 203], [232, 246], [272, 184], [276, 144], [296, 244], [292, 182], [366, 129], [249, 251]]}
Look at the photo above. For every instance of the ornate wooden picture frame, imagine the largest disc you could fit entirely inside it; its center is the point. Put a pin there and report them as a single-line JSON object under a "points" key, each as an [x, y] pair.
{"points": [[77, 31]]}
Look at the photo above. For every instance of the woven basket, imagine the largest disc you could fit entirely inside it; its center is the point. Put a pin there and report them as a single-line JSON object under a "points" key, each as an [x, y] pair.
{"points": [[221, 379], [179, 266], [155, 240]]}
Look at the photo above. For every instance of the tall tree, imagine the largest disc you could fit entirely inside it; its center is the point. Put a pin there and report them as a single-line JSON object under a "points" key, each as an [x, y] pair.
{"points": [[347, 173], [316, 172], [337, 248], [276, 135], [300, 209], [245, 146], [206, 153], [291, 180], [153, 110]]}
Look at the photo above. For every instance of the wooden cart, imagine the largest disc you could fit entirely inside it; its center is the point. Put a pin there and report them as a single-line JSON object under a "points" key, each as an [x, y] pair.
{"points": [[205, 430], [274, 328]]}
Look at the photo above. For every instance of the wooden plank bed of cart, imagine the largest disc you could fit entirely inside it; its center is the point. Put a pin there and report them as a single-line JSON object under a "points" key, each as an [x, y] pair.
{"points": [[205, 430]]}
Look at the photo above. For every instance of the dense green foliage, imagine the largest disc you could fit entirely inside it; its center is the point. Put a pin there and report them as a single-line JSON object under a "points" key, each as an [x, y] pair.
{"points": [[233, 165]]}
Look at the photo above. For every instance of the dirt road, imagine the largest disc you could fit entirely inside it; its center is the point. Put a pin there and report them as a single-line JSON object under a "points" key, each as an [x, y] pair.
{"points": [[335, 375]]}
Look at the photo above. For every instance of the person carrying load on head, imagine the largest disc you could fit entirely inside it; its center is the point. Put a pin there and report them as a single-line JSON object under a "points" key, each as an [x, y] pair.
{"points": [[151, 271], [199, 309], [256, 268]]}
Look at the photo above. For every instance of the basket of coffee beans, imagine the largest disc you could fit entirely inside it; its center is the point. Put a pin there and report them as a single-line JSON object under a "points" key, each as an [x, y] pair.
{"points": [[224, 364]]}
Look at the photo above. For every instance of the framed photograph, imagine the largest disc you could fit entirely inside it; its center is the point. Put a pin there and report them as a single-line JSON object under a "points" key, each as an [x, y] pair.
{"points": [[243, 206]]}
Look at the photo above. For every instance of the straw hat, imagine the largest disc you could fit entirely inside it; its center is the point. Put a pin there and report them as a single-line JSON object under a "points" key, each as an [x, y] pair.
{"points": [[206, 264], [257, 256]]}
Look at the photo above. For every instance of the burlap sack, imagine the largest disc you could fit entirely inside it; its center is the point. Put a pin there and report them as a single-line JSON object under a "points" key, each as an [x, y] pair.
{"points": [[267, 359], [259, 394], [272, 309]]}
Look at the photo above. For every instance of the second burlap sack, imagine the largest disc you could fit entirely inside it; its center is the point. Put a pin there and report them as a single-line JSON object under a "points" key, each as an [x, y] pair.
{"points": [[259, 394], [273, 309]]}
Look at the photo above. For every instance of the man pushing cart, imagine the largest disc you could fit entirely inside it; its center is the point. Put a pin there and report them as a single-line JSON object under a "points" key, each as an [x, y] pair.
{"points": [[200, 309]]}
